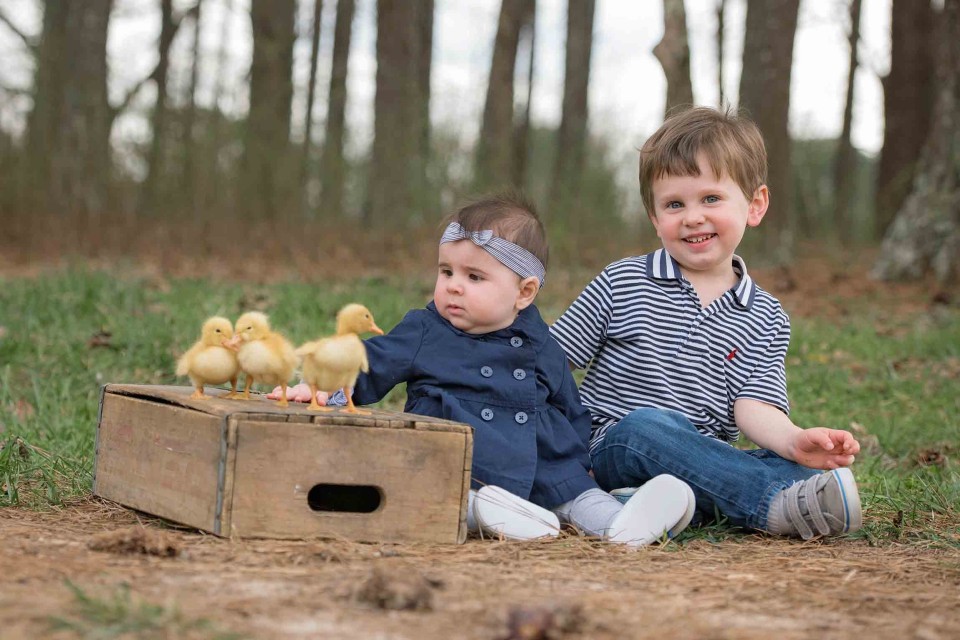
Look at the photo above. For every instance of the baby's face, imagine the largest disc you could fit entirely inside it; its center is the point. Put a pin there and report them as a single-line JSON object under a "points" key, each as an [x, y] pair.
{"points": [[701, 219], [474, 292]]}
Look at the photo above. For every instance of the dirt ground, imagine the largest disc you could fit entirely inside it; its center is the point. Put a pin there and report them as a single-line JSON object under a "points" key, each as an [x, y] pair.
{"points": [[744, 587]]}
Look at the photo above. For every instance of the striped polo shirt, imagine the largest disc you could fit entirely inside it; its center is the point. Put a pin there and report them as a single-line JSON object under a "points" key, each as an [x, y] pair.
{"points": [[648, 342]]}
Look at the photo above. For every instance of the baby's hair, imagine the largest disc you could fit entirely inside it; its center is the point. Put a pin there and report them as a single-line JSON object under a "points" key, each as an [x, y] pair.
{"points": [[730, 141], [511, 216]]}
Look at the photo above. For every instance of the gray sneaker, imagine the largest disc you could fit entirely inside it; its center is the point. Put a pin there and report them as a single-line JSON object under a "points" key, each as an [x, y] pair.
{"points": [[827, 504]]}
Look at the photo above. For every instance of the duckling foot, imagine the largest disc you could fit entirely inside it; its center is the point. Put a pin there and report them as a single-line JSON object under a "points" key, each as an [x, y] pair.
{"points": [[351, 408], [199, 395]]}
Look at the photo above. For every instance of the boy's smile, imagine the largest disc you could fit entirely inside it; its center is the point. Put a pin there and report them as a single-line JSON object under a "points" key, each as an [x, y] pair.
{"points": [[701, 220]]}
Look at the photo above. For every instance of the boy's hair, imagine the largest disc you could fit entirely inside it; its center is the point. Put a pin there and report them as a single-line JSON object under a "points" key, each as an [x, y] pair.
{"points": [[510, 216], [731, 142]]}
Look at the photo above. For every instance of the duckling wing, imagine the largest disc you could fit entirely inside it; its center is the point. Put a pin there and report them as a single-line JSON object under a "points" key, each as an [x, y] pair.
{"points": [[214, 365], [333, 363], [183, 364]]}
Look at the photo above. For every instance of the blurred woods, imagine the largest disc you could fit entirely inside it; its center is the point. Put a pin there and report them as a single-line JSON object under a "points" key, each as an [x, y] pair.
{"points": [[202, 168]]}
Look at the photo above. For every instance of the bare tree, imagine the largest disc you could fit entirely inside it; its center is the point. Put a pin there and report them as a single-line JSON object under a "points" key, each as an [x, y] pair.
{"points": [[673, 52], [528, 34], [907, 104], [495, 149], [397, 181], [188, 141], [845, 164], [721, 6], [267, 186], [765, 95], [332, 164], [925, 235], [572, 137], [69, 127], [315, 25], [156, 155]]}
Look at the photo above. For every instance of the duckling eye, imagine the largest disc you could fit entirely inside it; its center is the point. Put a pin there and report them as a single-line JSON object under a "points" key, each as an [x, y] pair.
{"points": [[367, 316], [217, 330]]}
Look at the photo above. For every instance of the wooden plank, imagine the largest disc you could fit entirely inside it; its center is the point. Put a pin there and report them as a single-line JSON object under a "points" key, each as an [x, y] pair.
{"points": [[259, 406], [228, 478], [420, 475], [160, 459]]}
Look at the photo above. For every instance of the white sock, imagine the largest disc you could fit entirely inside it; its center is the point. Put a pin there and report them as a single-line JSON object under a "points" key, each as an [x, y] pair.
{"points": [[591, 512]]}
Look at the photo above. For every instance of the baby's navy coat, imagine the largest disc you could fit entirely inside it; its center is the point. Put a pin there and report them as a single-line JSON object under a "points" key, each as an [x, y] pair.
{"points": [[513, 386]]}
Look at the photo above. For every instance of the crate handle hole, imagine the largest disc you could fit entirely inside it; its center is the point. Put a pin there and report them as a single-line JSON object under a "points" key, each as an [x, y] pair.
{"points": [[344, 498]]}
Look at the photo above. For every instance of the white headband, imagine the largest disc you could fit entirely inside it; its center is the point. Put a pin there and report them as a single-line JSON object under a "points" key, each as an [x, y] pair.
{"points": [[511, 255]]}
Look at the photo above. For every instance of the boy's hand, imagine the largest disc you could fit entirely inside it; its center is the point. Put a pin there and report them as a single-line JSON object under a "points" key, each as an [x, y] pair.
{"points": [[299, 393], [821, 448]]}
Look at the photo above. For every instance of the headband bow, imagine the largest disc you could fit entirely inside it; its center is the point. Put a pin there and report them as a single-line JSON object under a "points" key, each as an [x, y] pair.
{"points": [[511, 255]]}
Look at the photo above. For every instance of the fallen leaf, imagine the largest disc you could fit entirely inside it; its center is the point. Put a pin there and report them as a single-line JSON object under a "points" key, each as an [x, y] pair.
{"points": [[100, 339], [931, 457]]}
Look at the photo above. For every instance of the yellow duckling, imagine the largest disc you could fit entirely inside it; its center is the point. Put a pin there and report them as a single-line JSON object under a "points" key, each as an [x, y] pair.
{"points": [[264, 355], [334, 363], [209, 361]]}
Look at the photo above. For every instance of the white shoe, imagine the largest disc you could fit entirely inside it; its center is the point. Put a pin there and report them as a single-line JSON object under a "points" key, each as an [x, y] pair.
{"points": [[659, 506], [624, 495], [501, 514]]}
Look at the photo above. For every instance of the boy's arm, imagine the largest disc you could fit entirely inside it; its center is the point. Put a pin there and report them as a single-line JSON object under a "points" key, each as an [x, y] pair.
{"points": [[582, 329], [817, 447]]}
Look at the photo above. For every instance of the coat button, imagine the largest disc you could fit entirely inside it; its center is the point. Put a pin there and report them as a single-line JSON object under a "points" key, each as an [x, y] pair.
{"points": [[516, 341], [487, 414], [519, 374], [486, 372], [521, 417]]}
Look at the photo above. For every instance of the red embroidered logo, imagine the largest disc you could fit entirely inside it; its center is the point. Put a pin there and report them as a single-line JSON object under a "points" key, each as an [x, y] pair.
{"points": [[731, 354]]}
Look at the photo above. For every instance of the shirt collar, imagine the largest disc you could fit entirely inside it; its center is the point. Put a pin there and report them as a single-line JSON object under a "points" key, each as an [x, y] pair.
{"points": [[529, 324], [662, 266]]}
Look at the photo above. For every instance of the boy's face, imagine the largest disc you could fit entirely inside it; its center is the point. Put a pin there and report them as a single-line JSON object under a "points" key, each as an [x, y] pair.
{"points": [[701, 219], [475, 292]]}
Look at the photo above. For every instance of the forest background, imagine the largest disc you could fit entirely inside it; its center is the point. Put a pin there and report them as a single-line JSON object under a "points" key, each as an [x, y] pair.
{"points": [[214, 134]]}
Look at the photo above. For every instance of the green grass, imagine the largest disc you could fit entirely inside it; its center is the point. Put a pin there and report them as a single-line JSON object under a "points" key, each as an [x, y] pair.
{"points": [[894, 380], [119, 615]]}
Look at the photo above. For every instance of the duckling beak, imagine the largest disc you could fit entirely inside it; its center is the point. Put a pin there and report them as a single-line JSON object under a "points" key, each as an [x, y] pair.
{"points": [[375, 329], [233, 343]]}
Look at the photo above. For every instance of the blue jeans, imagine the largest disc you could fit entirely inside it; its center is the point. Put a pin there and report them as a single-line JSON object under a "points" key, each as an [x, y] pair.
{"points": [[739, 484]]}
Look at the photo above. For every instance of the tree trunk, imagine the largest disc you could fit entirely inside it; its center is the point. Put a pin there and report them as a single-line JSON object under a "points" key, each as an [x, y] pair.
{"points": [[925, 235], [572, 137], [156, 156], [845, 165], [495, 151], [48, 101], [721, 37], [673, 52], [188, 143], [308, 116], [81, 164], [332, 164], [528, 33], [267, 186], [765, 95], [398, 166], [907, 105]]}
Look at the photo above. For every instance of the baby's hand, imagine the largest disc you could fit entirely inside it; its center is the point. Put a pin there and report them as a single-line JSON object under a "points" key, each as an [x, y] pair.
{"points": [[821, 448], [299, 393]]}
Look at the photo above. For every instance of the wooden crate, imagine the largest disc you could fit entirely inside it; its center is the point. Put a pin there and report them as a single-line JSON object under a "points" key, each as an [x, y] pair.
{"points": [[253, 469]]}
